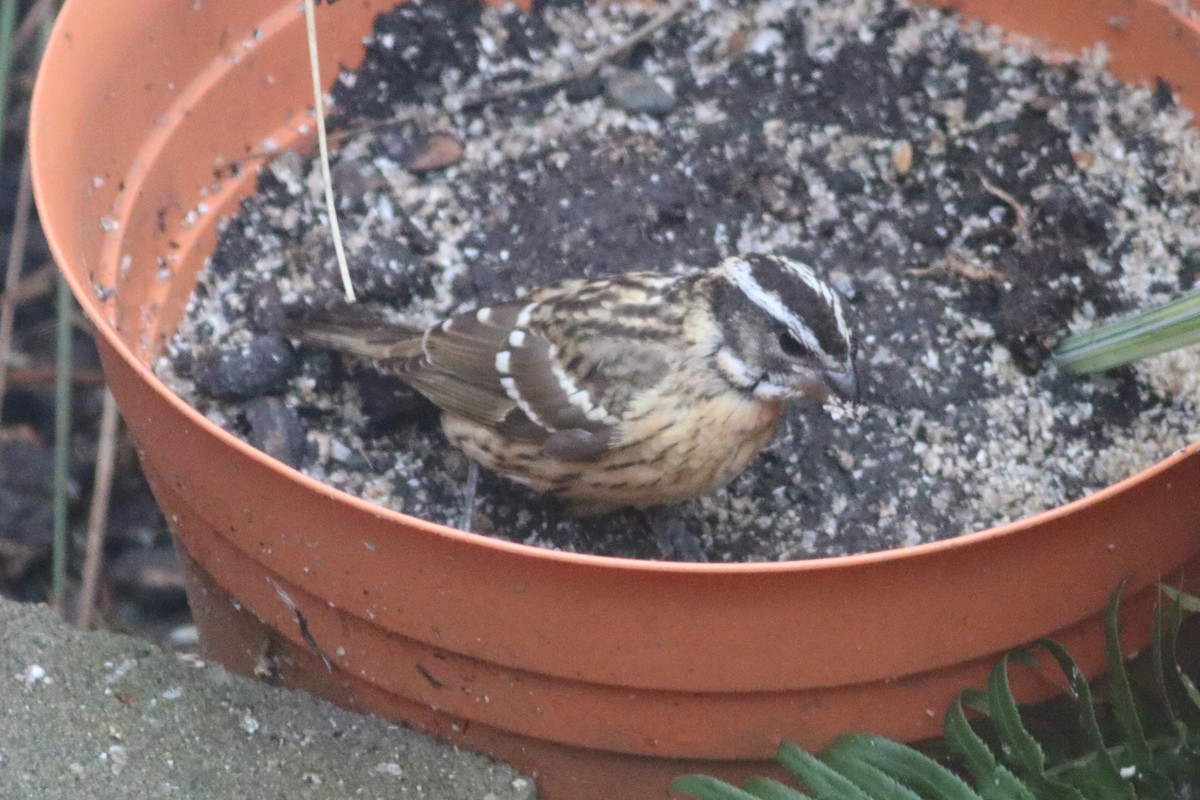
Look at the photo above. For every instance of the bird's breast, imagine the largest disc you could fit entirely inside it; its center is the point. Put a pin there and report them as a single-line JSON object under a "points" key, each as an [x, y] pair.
{"points": [[666, 454]]}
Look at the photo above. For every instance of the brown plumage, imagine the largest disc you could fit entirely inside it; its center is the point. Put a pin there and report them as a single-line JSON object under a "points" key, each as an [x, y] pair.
{"points": [[637, 390]]}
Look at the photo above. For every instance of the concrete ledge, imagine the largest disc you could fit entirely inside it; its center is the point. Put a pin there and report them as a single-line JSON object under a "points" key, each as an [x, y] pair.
{"points": [[103, 716]]}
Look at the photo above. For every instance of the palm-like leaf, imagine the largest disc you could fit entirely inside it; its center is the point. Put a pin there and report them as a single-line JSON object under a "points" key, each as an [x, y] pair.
{"points": [[1174, 325]]}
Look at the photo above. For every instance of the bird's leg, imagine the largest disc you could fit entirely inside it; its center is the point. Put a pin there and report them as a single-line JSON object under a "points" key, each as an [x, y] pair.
{"points": [[675, 542], [469, 497]]}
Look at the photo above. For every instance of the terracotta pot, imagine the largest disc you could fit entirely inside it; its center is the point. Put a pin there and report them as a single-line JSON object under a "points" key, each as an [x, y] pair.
{"points": [[606, 677]]}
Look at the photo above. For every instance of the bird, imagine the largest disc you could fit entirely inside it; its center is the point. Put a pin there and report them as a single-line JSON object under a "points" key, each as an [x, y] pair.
{"points": [[637, 390]]}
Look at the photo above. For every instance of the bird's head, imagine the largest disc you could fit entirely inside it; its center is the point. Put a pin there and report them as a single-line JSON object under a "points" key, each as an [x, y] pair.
{"points": [[783, 330]]}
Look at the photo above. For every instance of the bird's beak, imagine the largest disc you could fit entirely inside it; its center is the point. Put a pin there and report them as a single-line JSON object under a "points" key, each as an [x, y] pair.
{"points": [[843, 383], [818, 385]]}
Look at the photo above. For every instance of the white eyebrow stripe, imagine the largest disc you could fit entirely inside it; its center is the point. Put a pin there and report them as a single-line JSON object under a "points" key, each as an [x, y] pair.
{"points": [[822, 288], [739, 273]]}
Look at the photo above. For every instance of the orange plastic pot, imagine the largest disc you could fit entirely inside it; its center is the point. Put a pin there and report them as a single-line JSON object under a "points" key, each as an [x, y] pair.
{"points": [[605, 677]]}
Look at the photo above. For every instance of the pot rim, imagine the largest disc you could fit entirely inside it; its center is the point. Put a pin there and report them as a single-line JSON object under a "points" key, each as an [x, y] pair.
{"points": [[106, 329], [898, 554]]}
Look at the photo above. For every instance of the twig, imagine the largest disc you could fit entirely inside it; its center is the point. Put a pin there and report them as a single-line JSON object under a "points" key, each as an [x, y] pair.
{"points": [[310, 19], [97, 526], [955, 264], [40, 376], [1011, 202], [64, 346], [39, 282], [12, 271], [589, 67]]}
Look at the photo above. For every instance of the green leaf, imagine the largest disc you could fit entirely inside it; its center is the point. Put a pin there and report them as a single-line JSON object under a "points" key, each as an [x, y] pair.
{"points": [[1165, 625], [1185, 602], [1016, 742], [992, 780], [1003, 785], [1176, 324], [976, 700], [1148, 778], [1188, 602], [767, 789], [1108, 775], [900, 762], [706, 788], [821, 779], [1189, 685], [967, 744], [872, 780], [1124, 705]]}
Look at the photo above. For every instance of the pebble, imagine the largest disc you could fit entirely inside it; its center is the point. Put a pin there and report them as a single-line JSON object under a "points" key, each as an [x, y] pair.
{"points": [[435, 151], [261, 366], [902, 157], [266, 310], [275, 428], [638, 93]]}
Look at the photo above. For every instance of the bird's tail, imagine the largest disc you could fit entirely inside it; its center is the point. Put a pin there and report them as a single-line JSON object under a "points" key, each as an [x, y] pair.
{"points": [[354, 331]]}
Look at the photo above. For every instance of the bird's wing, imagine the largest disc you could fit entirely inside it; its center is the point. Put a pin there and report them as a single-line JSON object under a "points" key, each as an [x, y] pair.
{"points": [[457, 366], [498, 367]]}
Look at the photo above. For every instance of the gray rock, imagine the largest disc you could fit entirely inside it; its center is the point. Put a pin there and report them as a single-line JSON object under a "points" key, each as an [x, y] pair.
{"points": [[261, 366], [638, 93], [275, 428]]}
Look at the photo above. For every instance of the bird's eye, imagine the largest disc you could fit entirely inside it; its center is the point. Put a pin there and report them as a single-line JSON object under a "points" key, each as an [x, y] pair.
{"points": [[792, 346]]}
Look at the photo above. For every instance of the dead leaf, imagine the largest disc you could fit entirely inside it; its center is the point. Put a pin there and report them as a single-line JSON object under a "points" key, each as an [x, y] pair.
{"points": [[436, 151]]}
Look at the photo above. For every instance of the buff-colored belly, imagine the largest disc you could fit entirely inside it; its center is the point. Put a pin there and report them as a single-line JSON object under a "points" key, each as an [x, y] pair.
{"points": [[659, 460]]}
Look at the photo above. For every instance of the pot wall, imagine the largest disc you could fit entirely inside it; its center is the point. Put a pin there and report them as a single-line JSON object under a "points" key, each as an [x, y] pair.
{"points": [[560, 663]]}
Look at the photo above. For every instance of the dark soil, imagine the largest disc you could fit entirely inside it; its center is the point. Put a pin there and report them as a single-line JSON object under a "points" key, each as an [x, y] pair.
{"points": [[972, 203]]}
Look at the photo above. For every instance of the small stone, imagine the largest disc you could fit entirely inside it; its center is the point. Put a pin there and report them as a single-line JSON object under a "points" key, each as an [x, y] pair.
{"points": [[183, 637], [843, 284], [580, 90], [638, 93], [902, 157], [275, 428], [261, 366], [435, 151], [266, 310], [117, 758]]}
